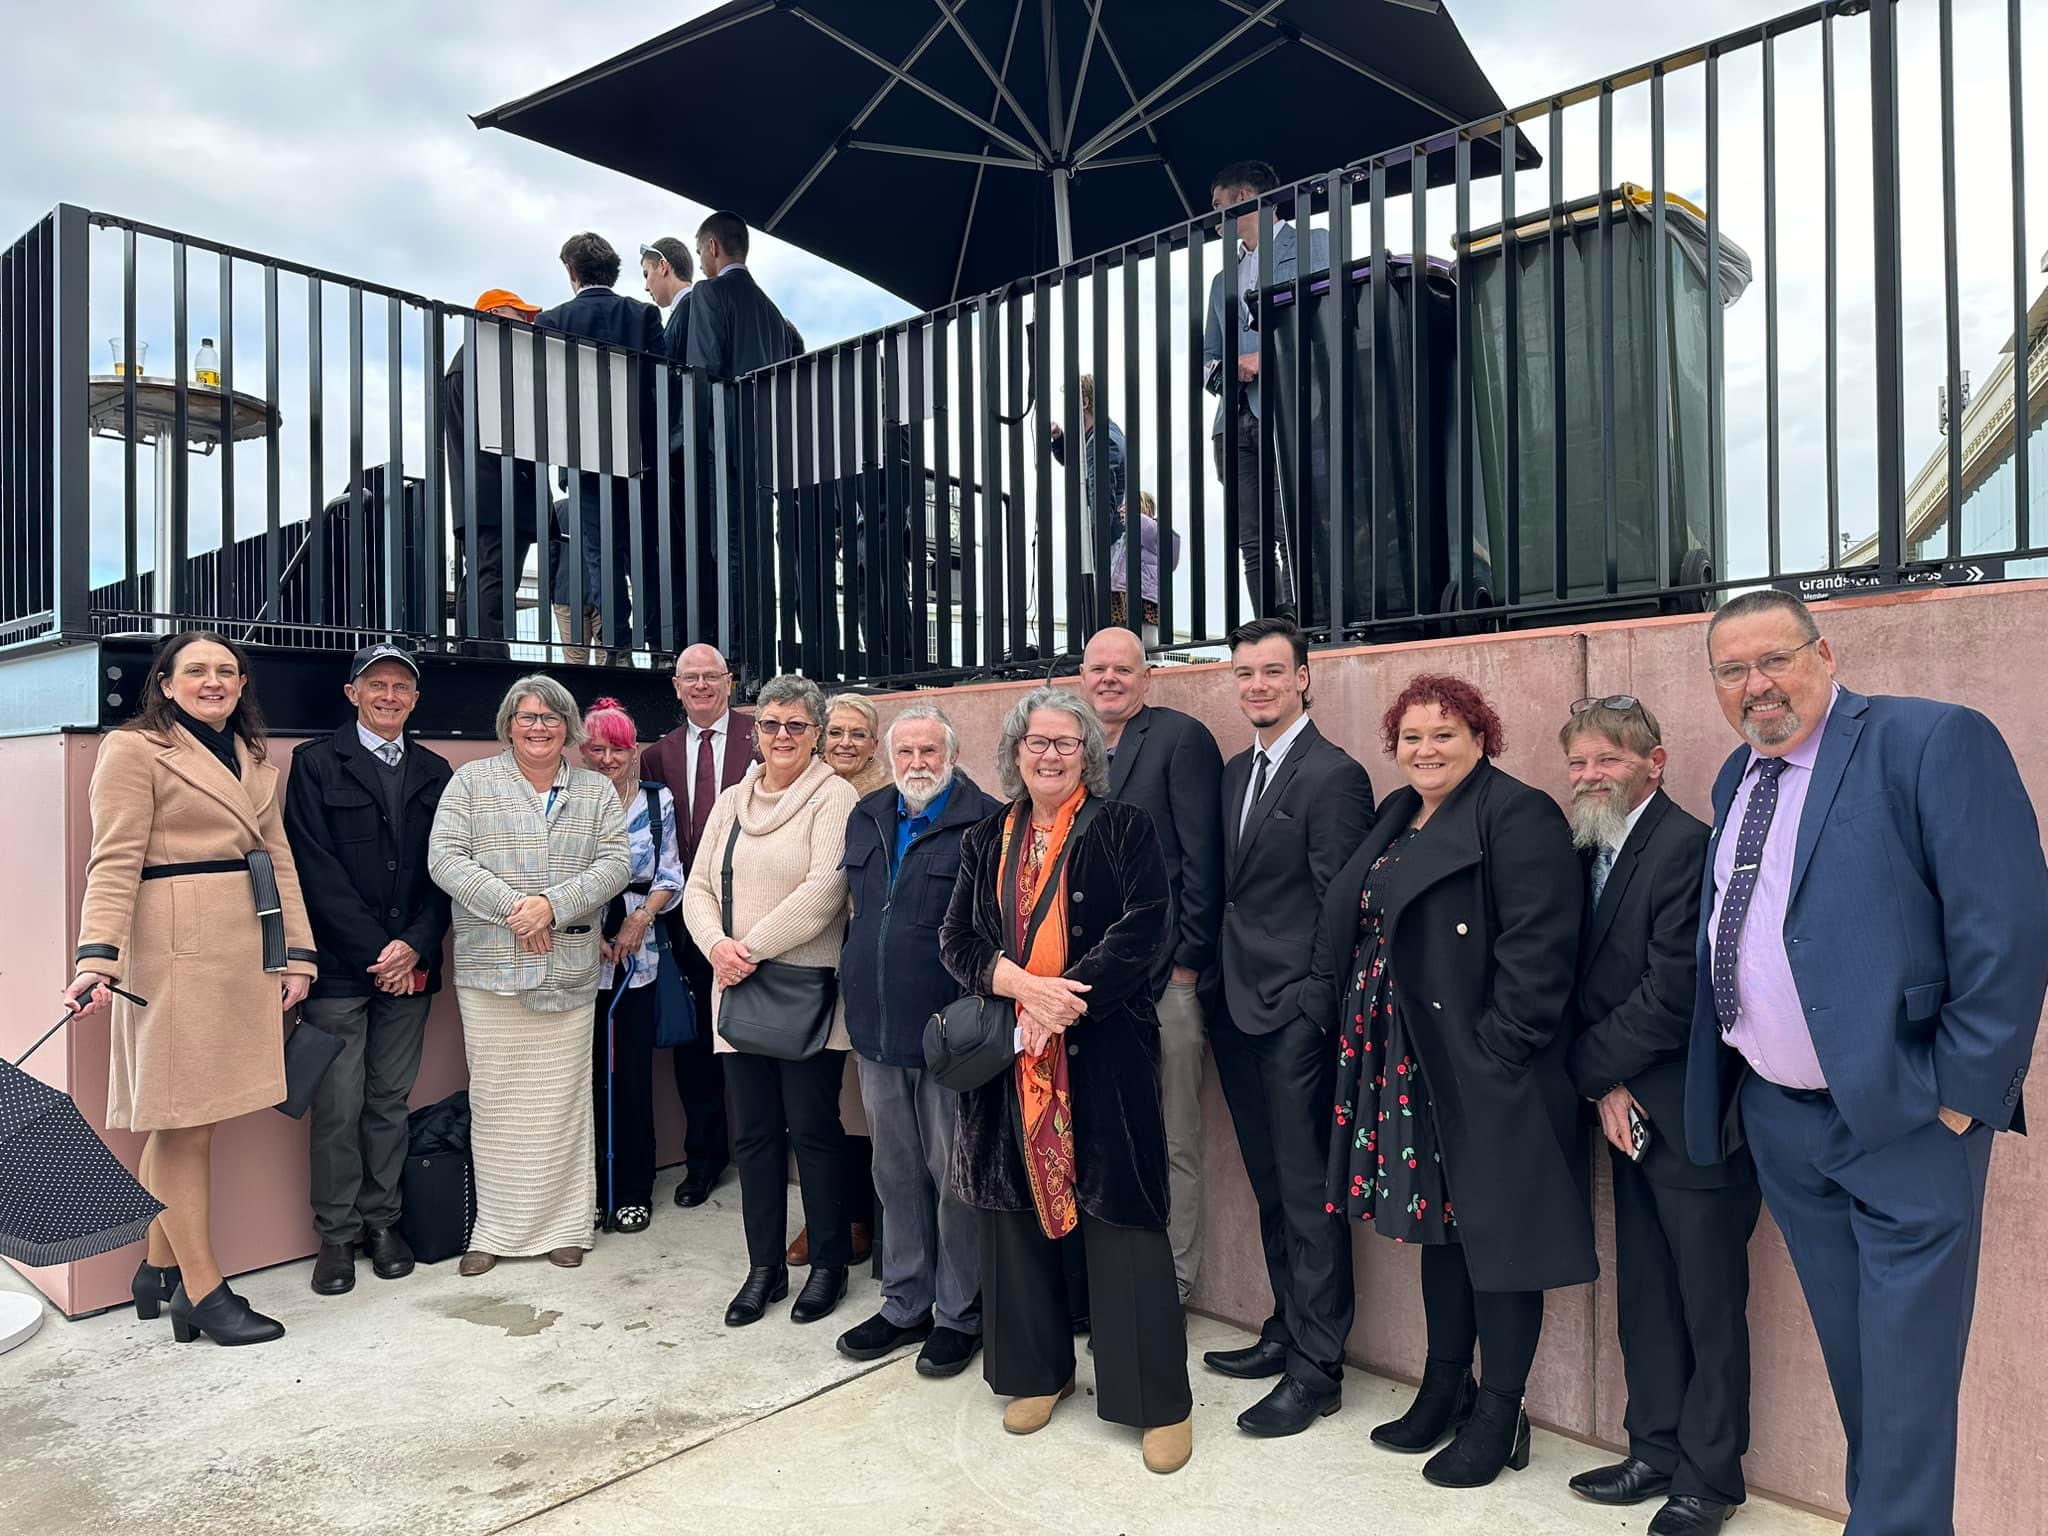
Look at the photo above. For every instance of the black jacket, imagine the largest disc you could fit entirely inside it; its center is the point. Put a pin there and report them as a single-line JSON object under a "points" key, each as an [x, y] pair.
{"points": [[735, 328], [598, 314], [1636, 979], [889, 971], [1117, 911], [1317, 805], [490, 469], [1482, 922], [365, 881], [675, 331], [1167, 764]]}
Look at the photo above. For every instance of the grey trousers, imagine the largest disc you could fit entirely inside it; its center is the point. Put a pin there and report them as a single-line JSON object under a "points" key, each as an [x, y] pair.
{"points": [[1183, 1042], [930, 1257], [359, 1110]]}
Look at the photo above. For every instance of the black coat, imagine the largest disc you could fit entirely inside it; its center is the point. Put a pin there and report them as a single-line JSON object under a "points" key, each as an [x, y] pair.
{"points": [[1637, 976], [365, 880], [632, 325], [1316, 807], [1117, 910], [735, 327], [888, 968], [1482, 921], [1167, 764], [675, 331]]}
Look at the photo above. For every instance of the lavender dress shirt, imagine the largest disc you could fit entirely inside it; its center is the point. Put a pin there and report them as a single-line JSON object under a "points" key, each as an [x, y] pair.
{"points": [[1770, 1021]]}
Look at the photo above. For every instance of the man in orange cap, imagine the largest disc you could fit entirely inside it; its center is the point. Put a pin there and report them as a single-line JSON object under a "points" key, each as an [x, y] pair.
{"points": [[489, 569]]}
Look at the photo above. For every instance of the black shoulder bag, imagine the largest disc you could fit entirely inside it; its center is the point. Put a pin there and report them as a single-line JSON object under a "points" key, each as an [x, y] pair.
{"points": [[782, 1010], [973, 1039]]}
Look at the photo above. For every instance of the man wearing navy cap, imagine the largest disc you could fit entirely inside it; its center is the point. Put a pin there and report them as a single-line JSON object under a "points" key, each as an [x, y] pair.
{"points": [[358, 807]]}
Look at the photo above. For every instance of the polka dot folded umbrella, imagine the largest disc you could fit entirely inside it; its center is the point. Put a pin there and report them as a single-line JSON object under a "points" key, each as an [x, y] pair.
{"points": [[63, 1195]]}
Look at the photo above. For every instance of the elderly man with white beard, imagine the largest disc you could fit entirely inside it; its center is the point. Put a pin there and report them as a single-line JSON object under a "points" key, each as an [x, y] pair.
{"points": [[1681, 1230], [902, 854]]}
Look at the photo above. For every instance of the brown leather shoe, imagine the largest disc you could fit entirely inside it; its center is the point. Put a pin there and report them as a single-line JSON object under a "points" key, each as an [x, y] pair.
{"points": [[565, 1258], [1168, 1448], [475, 1263], [1028, 1415], [863, 1241], [799, 1254]]}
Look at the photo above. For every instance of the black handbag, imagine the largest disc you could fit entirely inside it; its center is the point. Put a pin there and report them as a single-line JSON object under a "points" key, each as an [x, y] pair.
{"points": [[309, 1051], [973, 1039], [437, 1189], [782, 1010]]}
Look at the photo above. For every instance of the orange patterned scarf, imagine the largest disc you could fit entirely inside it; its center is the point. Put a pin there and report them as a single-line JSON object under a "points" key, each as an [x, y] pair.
{"points": [[1044, 1094]]}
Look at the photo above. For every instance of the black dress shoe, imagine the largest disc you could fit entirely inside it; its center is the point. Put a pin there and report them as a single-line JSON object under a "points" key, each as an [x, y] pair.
{"points": [[765, 1283], [1289, 1409], [223, 1317], [151, 1288], [878, 1337], [820, 1296], [696, 1187], [1626, 1482], [390, 1255], [1266, 1358], [334, 1272], [1442, 1405], [1496, 1436], [1684, 1515], [947, 1352]]}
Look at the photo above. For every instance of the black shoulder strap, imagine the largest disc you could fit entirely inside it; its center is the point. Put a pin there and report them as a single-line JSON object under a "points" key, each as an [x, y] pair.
{"points": [[1051, 885], [655, 824], [725, 877]]}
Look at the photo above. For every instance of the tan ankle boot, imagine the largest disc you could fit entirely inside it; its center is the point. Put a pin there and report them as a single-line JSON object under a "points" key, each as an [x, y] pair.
{"points": [[1028, 1415], [1168, 1448]]}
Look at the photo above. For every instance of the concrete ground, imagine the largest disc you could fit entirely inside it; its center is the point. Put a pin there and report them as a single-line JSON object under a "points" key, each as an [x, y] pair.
{"points": [[612, 1399]]}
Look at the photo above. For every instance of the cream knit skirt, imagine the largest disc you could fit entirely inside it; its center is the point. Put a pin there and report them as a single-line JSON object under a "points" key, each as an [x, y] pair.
{"points": [[530, 1124]]}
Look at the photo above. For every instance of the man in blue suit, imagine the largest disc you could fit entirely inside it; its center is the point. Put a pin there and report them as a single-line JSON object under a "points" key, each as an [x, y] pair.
{"points": [[1871, 971], [1230, 369]]}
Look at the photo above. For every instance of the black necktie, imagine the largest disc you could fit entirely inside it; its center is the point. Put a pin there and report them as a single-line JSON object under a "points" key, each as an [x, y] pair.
{"points": [[1258, 780], [1749, 855]]}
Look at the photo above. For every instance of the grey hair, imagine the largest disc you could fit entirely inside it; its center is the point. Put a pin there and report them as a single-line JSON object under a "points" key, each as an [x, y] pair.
{"points": [[790, 688], [924, 712], [859, 706], [551, 694], [1765, 600], [1017, 724]]}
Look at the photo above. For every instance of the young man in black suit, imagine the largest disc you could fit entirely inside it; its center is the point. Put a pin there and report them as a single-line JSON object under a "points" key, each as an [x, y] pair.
{"points": [[665, 269], [1681, 1231], [1167, 762], [735, 328], [1295, 807]]}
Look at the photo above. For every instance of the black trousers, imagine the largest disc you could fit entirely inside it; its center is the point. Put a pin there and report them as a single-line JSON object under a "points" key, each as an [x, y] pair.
{"points": [[1506, 1325], [622, 1097], [1683, 1303], [1140, 1334], [1279, 1087], [488, 571], [700, 1077], [778, 1105]]}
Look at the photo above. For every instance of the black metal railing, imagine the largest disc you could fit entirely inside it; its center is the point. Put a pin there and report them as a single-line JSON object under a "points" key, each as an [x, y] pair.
{"points": [[1481, 400]]}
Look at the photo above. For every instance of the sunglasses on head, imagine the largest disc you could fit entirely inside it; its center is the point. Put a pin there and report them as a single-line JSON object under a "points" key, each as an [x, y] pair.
{"points": [[1618, 701]]}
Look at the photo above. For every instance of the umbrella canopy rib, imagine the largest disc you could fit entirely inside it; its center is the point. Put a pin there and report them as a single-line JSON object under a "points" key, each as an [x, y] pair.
{"points": [[1359, 66], [1171, 82], [974, 198], [1110, 139], [1003, 94], [1130, 90]]}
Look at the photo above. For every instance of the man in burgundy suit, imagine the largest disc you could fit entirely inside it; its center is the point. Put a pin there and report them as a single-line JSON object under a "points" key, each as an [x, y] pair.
{"points": [[707, 753]]}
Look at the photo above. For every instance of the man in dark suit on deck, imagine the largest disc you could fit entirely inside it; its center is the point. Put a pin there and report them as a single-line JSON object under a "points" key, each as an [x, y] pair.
{"points": [[1681, 1231], [735, 328], [1295, 807], [1870, 980]]}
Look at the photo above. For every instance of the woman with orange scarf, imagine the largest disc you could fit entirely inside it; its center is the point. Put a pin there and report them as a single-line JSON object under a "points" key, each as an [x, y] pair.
{"points": [[1061, 906]]}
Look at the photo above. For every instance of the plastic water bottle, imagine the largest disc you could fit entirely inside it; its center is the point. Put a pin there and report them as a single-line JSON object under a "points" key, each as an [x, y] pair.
{"points": [[206, 364]]}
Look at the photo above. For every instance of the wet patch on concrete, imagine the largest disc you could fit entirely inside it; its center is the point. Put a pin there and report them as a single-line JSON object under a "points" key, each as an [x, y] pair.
{"points": [[517, 1319]]}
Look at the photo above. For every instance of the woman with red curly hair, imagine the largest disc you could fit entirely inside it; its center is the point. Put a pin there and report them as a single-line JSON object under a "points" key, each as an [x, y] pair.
{"points": [[1445, 960]]}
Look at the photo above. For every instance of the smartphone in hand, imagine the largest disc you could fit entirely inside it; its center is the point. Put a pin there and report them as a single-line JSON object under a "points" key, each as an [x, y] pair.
{"points": [[1638, 1134]]}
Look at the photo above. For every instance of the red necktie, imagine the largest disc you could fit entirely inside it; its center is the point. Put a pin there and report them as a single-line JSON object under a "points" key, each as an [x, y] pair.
{"points": [[703, 790]]}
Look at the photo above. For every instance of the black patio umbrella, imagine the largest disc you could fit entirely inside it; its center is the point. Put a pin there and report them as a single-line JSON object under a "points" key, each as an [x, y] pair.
{"points": [[63, 1195], [943, 148]]}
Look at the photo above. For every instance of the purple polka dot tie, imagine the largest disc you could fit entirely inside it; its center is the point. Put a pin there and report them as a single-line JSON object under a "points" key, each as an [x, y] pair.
{"points": [[1749, 855]]}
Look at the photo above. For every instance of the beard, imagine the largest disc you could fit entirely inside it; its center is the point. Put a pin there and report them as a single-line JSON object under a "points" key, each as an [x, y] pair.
{"points": [[1768, 733], [921, 789], [1600, 819]]}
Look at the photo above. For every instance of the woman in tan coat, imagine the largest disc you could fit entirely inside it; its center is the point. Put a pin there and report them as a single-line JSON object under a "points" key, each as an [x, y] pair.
{"points": [[188, 841]]}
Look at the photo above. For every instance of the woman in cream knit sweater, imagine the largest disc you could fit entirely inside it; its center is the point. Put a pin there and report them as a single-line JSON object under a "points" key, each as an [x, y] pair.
{"points": [[788, 904]]}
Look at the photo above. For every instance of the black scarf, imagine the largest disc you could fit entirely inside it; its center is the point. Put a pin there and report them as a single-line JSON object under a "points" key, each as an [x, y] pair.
{"points": [[221, 743]]}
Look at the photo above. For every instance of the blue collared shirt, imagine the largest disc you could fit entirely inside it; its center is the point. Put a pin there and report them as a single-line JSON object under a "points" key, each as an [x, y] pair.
{"points": [[911, 826]]}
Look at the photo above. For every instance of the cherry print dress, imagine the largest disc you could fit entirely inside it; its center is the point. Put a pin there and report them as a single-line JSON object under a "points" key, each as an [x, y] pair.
{"points": [[1384, 1169]]}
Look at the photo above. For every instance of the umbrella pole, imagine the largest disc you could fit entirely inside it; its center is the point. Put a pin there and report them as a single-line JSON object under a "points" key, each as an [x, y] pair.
{"points": [[1063, 214]]}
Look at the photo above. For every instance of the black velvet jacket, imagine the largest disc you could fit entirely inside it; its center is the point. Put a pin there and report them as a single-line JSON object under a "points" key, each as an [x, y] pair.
{"points": [[1120, 918]]}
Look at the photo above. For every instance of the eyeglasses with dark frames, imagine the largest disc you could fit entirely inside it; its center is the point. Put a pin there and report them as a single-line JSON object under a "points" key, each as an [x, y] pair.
{"points": [[1066, 746], [782, 727], [1774, 664]]}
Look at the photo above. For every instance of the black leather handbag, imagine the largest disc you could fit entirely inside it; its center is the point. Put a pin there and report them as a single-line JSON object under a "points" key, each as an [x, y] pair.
{"points": [[309, 1051], [782, 1010], [973, 1039]]}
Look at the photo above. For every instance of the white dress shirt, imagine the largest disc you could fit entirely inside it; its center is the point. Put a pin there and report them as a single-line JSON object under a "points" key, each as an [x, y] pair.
{"points": [[1276, 754]]}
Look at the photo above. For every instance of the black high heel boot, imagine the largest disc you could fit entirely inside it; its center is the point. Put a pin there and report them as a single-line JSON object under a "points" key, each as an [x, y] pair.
{"points": [[1442, 1405], [152, 1287], [223, 1317], [1496, 1436]]}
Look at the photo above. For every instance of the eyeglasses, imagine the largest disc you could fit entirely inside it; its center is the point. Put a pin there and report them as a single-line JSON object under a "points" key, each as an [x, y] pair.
{"points": [[848, 733], [531, 721], [781, 727], [1038, 746], [1621, 701], [701, 679], [1733, 674]]}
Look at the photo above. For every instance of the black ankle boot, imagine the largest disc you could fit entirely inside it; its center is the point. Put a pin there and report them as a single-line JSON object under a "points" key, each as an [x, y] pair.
{"points": [[764, 1283], [152, 1288], [1496, 1436], [1442, 1405], [820, 1295], [223, 1317]]}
